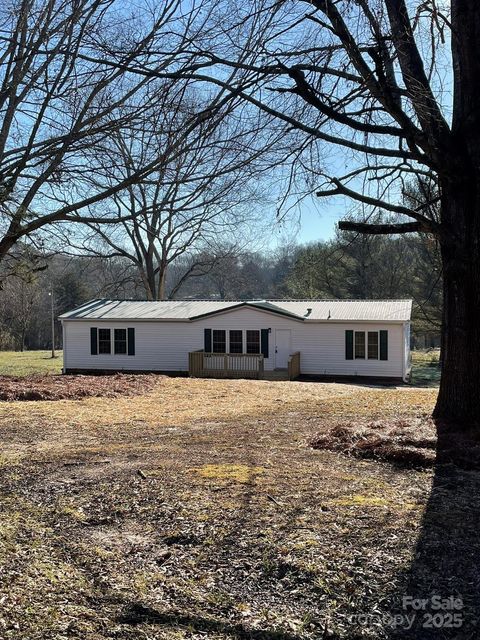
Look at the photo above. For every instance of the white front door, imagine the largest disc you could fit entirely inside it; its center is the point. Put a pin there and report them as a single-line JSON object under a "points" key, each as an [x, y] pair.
{"points": [[282, 348]]}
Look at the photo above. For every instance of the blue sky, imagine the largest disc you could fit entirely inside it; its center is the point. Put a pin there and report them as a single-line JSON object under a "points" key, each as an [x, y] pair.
{"points": [[318, 223], [313, 220]]}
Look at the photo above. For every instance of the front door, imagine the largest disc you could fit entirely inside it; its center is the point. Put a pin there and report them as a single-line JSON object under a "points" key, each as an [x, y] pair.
{"points": [[282, 348]]}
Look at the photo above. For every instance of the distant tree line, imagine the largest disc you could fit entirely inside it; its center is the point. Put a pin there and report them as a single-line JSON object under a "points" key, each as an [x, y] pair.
{"points": [[347, 267]]}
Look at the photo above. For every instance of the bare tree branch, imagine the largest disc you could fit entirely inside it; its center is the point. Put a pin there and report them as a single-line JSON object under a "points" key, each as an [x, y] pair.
{"points": [[381, 229]]}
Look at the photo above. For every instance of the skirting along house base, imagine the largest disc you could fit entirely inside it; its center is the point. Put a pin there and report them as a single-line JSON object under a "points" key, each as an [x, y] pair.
{"points": [[264, 339]]}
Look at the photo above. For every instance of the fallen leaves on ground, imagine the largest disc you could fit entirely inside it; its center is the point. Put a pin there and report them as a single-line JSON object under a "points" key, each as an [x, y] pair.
{"points": [[404, 442], [76, 387]]}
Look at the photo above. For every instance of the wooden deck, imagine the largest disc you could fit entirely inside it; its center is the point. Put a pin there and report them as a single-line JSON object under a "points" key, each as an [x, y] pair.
{"points": [[225, 365], [276, 375], [238, 365], [294, 366]]}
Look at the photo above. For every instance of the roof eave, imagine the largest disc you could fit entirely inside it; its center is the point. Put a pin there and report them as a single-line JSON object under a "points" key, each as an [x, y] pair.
{"points": [[63, 319], [353, 320]]}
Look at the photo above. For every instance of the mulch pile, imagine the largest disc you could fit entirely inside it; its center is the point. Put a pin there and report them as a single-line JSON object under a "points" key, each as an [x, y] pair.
{"points": [[406, 443], [64, 387]]}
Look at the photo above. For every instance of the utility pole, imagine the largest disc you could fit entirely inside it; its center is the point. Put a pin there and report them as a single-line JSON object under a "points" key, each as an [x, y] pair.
{"points": [[50, 293]]}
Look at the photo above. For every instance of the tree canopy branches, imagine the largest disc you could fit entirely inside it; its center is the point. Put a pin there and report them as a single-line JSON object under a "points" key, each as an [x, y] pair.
{"points": [[62, 98], [359, 84]]}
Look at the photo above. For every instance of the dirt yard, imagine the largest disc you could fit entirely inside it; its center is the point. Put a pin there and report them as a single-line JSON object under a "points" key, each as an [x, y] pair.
{"points": [[198, 509]]}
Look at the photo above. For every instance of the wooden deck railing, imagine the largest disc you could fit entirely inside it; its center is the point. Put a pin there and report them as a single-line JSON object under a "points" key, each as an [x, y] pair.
{"points": [[195, 363], [225, 365], [294, 366]]}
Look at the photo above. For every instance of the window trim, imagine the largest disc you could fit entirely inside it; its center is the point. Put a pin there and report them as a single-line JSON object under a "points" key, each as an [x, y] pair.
{"points": [[102, 353], [377, 357], [253, 353], [242, 343], [350, 344], [224, 341], [355, 357], [120, 353], [112, 330]]}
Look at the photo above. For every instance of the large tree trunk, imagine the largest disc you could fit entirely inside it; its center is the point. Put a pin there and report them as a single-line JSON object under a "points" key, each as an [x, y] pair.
{"points": [[459, 397], [162, 283], [147, 284]]}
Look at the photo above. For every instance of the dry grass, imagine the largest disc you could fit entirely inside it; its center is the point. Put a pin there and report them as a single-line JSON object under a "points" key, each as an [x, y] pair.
{"points": [[199, 510], [174, 402], [183, 400]]}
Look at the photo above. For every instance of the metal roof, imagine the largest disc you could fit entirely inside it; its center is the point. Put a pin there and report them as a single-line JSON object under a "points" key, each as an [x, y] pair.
{"points": [[368, 310], [187, 310]]}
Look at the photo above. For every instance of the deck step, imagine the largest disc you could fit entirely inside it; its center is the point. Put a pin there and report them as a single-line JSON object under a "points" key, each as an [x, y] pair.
{"points": [[275, 375]]}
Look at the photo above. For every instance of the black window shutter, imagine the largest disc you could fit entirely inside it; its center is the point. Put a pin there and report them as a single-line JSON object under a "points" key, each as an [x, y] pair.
{"points": [[264, 343], [384, 345], [93, 341], [131, 341], [207, 343], [349, 344]]}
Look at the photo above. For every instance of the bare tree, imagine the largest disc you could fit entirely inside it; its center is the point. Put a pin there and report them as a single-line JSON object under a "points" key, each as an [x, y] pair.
{"points": [[393, 86], [61, 99], [19, 298], [205, 189]]}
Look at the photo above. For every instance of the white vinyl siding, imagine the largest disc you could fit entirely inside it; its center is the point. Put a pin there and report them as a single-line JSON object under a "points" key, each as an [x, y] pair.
{"points": [[164, 346]]}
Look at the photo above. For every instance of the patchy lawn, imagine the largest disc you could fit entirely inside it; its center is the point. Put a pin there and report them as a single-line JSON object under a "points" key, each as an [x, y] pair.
{"points": [[24, 363], [199, 510], [426, 368]]}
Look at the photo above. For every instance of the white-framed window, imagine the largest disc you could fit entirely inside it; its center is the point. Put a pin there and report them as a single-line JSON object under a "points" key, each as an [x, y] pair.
{"points": [[120, 341], [253, 341], [235, 341], [373, 345], [116, 341], [104, 341], [219, 341], [359, 345], [367, 345]]}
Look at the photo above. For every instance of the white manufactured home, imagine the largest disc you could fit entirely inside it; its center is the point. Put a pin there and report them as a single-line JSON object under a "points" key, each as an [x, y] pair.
{"points": [[258, 338]]}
